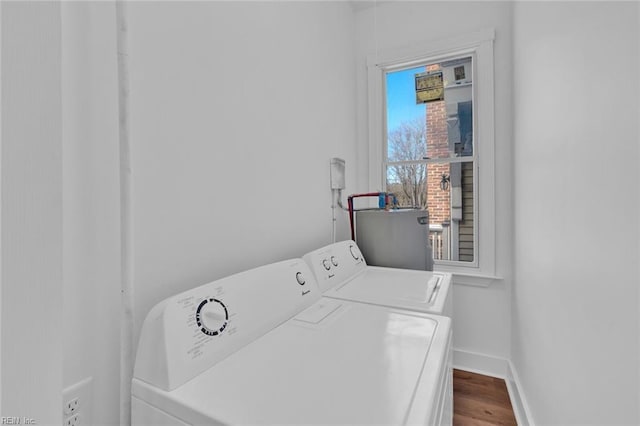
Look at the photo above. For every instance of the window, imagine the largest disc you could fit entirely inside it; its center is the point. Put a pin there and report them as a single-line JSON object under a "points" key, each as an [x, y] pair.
{"points": [[431, 143], [429, 157]]}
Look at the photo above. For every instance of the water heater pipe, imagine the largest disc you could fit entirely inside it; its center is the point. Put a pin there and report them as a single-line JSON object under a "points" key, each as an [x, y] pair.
{"points": [[350, 208]]}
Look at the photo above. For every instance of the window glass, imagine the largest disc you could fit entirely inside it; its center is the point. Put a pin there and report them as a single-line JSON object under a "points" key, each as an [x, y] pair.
{"points": [[430, 161]]}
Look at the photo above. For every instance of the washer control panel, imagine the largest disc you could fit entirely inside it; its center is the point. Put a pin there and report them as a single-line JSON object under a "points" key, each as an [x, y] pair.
{"points": [[202, 326], [335, 263]]}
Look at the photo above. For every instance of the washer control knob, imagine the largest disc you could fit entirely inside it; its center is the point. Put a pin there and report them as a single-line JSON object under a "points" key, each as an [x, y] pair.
{"points": [[334, 261], [326, 264], [354, 252], [212, 316], [300, 278]]}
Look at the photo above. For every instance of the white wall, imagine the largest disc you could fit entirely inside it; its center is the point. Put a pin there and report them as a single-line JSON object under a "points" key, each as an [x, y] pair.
{"points": [[236, 110], [575, 300], [31, 212], [482, 315], [91, 293]]}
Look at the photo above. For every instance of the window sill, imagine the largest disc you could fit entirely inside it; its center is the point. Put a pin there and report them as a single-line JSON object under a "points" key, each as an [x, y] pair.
{"points": [[473, 280]]}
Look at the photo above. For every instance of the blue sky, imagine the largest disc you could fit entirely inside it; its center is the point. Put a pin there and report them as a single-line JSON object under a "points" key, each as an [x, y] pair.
{"points": [[401, 97]]}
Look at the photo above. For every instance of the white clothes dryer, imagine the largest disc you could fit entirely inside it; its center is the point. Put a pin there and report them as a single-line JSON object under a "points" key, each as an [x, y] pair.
{"points": [[343, 273], [263, 347]]}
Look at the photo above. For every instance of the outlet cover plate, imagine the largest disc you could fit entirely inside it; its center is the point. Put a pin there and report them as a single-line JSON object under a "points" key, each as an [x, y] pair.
{"points": [[77, 402]]}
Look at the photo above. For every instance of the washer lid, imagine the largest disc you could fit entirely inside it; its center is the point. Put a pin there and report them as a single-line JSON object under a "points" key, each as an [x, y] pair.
{"points": [[422, 291], [335, 363]]}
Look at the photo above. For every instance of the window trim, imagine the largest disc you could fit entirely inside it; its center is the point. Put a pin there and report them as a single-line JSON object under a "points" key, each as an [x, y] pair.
{"points": [[480, 45]]}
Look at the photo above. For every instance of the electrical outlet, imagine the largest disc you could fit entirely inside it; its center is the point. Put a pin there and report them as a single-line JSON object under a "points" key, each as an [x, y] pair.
{"points": [[72, 420], [77, 403], [71, 406]]}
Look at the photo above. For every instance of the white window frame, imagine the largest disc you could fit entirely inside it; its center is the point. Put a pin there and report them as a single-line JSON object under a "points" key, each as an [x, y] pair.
{"points": [[479, 45]]}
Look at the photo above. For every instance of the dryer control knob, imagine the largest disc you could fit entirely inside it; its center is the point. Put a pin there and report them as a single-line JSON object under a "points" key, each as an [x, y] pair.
{"points": [[354, 252], [212, 316], [334, 261], [326, 264], [300, 278]]}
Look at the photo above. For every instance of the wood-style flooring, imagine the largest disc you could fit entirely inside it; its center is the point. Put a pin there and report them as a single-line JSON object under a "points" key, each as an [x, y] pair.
{"points": [[480, 400]]}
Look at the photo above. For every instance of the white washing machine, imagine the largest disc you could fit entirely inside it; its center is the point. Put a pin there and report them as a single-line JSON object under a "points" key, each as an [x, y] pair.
{"points": [[343, 273], [263, 347]]}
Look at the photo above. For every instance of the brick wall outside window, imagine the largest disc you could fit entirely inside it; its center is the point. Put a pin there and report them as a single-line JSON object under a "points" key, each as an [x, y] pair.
{"points": [[437, 147]]}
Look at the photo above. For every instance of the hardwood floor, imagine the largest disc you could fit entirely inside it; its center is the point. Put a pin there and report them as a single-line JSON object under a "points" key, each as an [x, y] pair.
{"points": [[480, 400]]}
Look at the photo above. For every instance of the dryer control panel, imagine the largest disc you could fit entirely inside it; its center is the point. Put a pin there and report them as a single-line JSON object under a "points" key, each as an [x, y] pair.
{"points": [[336, 263], [188, 333]]}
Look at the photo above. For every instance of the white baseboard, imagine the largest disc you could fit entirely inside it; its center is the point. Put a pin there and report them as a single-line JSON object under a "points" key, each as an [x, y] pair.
{"points": [[480, 363], [518, 401], [501, 368]]}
